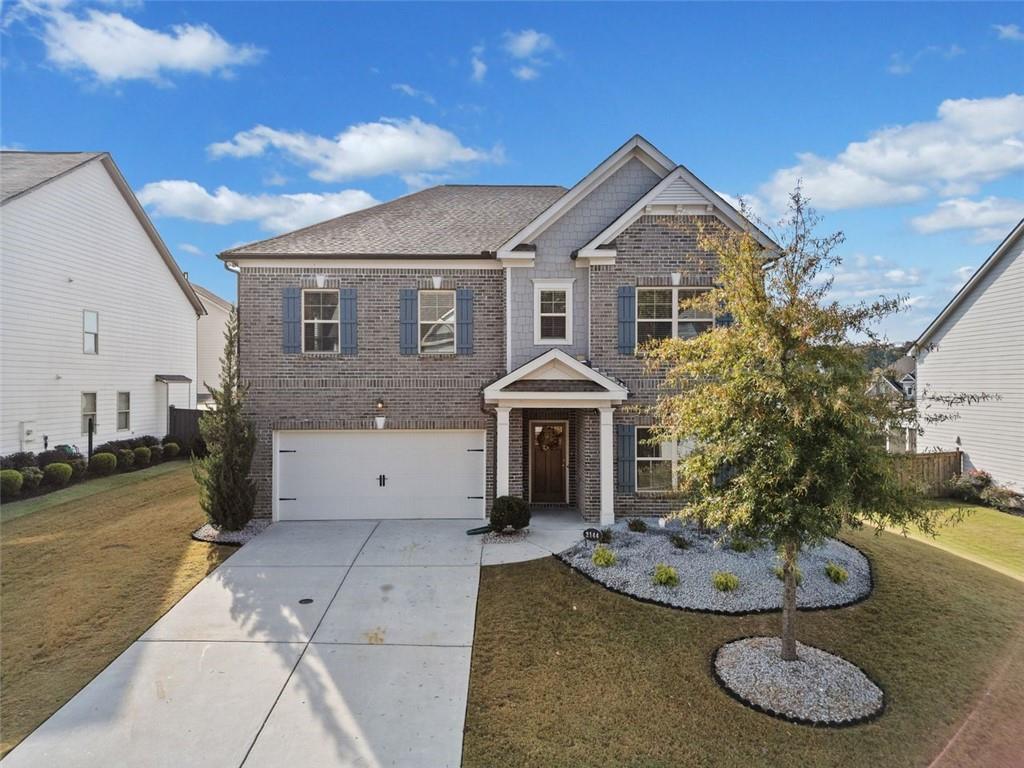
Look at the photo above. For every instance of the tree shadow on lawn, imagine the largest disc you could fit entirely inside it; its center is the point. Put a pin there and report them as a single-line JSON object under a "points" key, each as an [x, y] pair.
{"points": [[566, 673]]}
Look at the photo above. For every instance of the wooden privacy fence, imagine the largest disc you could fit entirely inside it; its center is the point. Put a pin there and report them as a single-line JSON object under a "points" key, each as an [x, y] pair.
{"points": [[183, 423], [931, 471]]}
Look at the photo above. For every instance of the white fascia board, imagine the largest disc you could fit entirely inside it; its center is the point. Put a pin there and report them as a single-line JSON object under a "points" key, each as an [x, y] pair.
{"points": [[637, 147], [320, 263], [585, 372], [551, 400]]}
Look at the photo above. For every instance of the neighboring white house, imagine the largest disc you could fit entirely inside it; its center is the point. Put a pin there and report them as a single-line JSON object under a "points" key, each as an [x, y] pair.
{"points": [[97, 319], [976, 345], [210, 342]]}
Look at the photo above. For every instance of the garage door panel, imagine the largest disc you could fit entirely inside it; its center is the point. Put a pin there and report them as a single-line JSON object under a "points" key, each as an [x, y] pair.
{"points": [[379, 474]]}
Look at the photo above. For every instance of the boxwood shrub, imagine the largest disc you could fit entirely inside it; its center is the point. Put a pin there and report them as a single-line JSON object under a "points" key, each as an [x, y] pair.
{"points": [[31, 478], [125, 459], [18, 460], [57, 474], [171, 450], [10, 483], [156, 454], [141, 456], [102, 464], [509, 512]]}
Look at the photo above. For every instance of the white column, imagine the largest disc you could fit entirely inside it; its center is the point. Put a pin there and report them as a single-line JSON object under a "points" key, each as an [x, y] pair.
{"points": [[607, 476], [501, 471]]}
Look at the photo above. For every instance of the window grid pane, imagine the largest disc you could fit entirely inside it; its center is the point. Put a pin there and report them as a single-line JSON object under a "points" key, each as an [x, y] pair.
{"points": [[552, 327], [654, 304], [88, 411]]}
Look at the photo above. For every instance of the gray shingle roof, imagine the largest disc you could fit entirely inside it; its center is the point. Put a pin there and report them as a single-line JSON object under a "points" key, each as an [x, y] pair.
{"points": [[450, 220], [22, 171]]}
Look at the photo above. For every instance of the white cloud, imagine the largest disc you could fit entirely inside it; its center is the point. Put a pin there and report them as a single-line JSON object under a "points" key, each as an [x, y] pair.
{"points": [[525, 72], [868, 277], [961, 275], [195, 250], [414, 93], [478, 67], [972, 141], [405, 147], [1009, 32], [182, 199], [990, 218], [900, 64], [528, 43], [112, 47]]}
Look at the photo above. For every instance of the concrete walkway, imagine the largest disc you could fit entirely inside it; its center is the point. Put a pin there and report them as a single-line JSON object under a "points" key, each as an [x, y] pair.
{"points": [[317, 644]]}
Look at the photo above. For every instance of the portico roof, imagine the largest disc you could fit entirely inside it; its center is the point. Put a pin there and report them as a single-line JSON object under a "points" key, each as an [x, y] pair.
{"points": [[555, 378]]}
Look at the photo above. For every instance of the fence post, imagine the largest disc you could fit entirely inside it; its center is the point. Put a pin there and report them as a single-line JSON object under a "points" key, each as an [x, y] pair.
{"points": [[88, 455]]}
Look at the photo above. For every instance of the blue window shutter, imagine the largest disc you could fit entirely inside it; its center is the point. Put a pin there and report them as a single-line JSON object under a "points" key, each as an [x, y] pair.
{"points": [[349, 332], [291, 319], [627, 319], [408, 339], [625, 453], [464, 321]]}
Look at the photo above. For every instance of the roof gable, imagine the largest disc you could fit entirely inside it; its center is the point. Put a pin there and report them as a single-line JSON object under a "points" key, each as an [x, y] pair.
{"points": [[22, 172], [555, 365], [518, 246]]}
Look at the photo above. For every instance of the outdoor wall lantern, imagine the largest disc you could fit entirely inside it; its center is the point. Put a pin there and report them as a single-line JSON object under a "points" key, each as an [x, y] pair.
{"points": [[321, 280], [380, 418]]}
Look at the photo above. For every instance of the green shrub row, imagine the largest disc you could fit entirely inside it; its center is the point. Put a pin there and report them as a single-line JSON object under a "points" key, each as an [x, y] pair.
{"points": [[67, 454]]}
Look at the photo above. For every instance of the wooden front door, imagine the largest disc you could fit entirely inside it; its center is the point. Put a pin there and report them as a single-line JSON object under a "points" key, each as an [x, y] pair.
{"points": [[548, 454]]}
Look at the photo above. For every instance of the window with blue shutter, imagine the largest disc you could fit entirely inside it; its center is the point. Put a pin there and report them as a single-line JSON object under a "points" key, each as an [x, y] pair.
{"points": [[627, 319], [291, 320], [349, 332], [408, 339], [625, 455], [464, 321]]}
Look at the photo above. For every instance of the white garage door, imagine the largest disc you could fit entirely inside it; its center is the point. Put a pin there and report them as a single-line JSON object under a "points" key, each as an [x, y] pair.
{"points": [[342, 475]]}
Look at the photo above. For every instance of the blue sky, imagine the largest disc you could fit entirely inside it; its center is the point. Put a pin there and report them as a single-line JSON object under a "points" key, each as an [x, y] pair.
{"points": [[235, 121]]}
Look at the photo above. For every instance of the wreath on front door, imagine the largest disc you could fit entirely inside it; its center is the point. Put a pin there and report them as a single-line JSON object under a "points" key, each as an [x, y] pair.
{"points": [[549, 437]]}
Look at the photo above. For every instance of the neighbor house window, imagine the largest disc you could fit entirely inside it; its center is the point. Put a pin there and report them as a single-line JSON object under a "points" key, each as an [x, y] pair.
{"points": [[657, 464], [90, 332], [320, 321], [437, 322], [552, 306], [124, 411], [659, 316], [88, 411]]}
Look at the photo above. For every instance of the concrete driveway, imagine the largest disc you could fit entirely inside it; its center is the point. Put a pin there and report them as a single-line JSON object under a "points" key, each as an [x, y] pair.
{"points": [[317, 644]]}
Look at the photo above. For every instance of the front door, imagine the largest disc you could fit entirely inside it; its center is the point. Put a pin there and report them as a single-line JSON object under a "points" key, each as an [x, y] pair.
{"points": [[548, 452]]}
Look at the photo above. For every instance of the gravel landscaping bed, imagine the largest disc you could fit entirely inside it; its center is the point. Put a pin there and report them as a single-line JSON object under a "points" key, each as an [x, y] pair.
{"points": [[214, 535], [818, 689], [759, 589]]}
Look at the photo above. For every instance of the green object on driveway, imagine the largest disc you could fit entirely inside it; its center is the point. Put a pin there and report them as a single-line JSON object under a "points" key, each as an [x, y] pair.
{"points": [[478, 531]]}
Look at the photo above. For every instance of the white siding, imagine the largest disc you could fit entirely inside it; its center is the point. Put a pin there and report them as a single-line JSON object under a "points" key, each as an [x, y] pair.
{"points": [[71, 245], [679, 192], [210, 345], [980, 348]]}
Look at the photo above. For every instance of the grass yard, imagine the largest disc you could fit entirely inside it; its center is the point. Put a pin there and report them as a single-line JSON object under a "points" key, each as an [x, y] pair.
{"points": [[83, 576], [566, 673]]}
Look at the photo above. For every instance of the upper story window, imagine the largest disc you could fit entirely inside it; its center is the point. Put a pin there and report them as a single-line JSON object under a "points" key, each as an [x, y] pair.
{"points": [[88, 411], [437, 322], [90, 332], [552, 308], [658, 315], [320, 321], [657, 464], [124, 411]]}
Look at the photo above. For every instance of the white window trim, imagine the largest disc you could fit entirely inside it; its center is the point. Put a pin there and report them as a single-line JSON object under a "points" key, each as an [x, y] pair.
{"points": [[670, 453], [675, 309], [82, 413], [90, 333], [118, 412], [552, 285], [421, 322], [304, 321]]}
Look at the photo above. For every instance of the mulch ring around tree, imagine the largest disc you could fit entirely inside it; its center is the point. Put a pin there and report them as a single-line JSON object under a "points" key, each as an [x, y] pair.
{"points": [[214, 535], [819, 688]]}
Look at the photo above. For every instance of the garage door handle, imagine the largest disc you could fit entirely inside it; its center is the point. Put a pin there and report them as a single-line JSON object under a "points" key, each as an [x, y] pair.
{"points": [[287, 450], [474, 450], [382, 480], [474, 497]]}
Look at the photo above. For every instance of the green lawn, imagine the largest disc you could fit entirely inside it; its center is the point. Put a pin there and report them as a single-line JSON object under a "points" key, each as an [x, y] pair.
{"points": [[566, 673], [985, 535], [83, 576]]}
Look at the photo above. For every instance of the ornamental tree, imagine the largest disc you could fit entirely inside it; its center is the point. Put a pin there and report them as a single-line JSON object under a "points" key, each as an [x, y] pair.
{"points": [[226, 492], [789, 445]]}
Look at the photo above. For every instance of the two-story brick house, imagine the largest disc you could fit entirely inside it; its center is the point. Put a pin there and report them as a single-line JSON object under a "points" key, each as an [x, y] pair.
{"points": [[418, 358]]}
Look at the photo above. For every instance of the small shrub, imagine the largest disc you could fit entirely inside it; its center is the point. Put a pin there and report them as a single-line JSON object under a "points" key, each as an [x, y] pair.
{"points": [[780, 574], [57, 474], [836, 572], [59, 454], [79, 466], [724, 581], [740, 544], [665, 575], [10, 483], [141, 456], [679, 541], [1002, 499], [102, 464], [603, 557], [125, 459], [18, 460], [156, 454], [637, 525], [170, 439], [970, 485], [171, 450], [509, 511], [31, 477], [606, 536], [148, 441]]}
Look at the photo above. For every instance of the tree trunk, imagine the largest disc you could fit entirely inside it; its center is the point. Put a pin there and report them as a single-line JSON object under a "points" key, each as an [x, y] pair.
{"points": [[789, 603]]}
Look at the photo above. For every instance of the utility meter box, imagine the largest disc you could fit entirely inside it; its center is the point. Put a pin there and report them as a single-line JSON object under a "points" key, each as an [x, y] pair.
{"points": [[29, 441]]}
